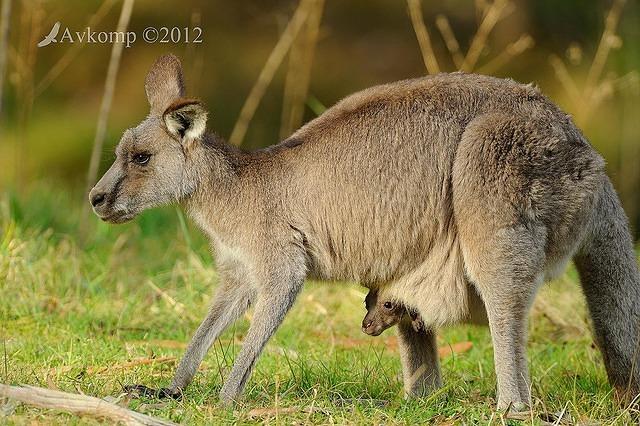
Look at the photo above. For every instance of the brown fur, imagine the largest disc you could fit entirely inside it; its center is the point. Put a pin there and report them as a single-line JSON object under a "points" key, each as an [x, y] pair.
{"points": [[438, 191], [384, 313]]}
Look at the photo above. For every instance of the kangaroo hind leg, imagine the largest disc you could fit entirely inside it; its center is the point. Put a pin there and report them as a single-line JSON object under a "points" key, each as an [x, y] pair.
{"points": [[506, 271]]}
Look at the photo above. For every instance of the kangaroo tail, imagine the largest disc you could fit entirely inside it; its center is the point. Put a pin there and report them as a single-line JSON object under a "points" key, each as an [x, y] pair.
{"points": [[610, 280]]}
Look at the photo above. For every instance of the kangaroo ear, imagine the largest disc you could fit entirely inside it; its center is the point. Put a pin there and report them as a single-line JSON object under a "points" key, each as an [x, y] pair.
{"points": [[186, 119], [164, 83]]}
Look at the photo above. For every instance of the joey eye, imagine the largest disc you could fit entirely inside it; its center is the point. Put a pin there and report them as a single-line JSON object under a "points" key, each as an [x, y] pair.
{"points": [[388, 305], [141, 158]]}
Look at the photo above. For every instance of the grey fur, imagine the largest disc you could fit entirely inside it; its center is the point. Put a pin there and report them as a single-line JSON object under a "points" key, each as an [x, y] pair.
{"points": [[609, 275], [426, 189]]}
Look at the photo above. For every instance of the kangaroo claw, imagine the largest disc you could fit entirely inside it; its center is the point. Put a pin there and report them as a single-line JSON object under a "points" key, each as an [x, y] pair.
{"points": [[144, 391]]}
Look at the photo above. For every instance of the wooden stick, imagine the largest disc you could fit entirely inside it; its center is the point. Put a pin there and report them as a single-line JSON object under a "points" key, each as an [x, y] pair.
{"points": [[299, 73], [268, 71], [512, 50], [589, 103], [82, 405], [105, 106], [491, 18], [604, 47], [95, 369], [563, 75], [450, 40], [417, 20]]}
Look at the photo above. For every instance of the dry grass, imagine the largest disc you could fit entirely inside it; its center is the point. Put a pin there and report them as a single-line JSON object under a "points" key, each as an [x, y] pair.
{"points": [[587, 97], [299, 71], [30, 26], [424, 41], [268, 71], [490, 14], [121, 310]]}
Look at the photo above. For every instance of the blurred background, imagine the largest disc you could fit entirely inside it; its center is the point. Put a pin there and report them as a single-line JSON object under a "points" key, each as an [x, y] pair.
{"points": [[584, 55]]}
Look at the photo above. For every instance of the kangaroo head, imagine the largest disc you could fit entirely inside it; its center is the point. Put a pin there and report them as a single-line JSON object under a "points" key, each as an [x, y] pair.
{"points": [[152, 161], [382, 313]]}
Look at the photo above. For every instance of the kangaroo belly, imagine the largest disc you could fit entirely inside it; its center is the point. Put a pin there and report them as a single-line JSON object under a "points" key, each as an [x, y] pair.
{"points": [[437, 287], [379, 224], [372, 258], [382, 243]]}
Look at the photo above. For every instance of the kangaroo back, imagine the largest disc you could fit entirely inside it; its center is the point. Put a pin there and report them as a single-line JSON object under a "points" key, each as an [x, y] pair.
{"points": [[610, 279]]}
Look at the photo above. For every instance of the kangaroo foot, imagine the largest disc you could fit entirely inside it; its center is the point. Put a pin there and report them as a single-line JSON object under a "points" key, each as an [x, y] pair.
{"points": [[147, 392]]}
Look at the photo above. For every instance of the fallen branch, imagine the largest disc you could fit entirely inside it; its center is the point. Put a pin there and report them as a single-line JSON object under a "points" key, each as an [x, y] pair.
{"points": [[132, 363], [82, 405]]}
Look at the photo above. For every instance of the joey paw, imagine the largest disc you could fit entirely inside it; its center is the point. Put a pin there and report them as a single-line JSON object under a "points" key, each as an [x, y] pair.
{"points": [[417, 325]]}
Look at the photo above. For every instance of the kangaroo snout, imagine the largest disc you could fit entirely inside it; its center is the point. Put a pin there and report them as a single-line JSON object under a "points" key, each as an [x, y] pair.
{"points": [[96, 198], [371, 328], [102, 206], [108, 198], [105, 206], [365, 326]]}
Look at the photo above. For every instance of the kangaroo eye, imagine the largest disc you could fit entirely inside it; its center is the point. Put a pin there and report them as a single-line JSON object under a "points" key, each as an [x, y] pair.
{"points": [[141, 158], [388, 305]]}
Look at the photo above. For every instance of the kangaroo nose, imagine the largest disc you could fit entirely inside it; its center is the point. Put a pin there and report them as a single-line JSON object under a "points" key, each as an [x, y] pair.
{"points": [[97, 199]]}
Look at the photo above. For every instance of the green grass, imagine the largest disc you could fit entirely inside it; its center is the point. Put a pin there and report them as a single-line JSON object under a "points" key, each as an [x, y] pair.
{"points": [[74, 313]]}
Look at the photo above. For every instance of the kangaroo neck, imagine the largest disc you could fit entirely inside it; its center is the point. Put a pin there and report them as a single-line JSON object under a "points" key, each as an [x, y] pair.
{"points": [[211, 176]]}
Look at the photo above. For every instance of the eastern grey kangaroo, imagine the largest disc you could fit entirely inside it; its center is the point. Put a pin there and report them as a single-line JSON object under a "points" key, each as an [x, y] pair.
{"points": [[429, 187]]}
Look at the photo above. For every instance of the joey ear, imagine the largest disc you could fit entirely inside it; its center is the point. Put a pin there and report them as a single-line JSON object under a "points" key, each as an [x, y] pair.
{"points": [[164, 83], [186, 119]]}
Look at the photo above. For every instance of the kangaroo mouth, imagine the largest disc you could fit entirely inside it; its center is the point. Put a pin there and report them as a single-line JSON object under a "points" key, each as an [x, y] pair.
{"points": [[372, 330], [116, 217]]}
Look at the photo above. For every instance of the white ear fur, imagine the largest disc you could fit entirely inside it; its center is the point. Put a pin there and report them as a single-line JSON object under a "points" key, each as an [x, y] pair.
{"points": [[187, 121]]}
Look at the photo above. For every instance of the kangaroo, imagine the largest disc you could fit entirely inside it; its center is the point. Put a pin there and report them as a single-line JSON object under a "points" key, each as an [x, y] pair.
{"points": [[384, 313], [430, 187]]}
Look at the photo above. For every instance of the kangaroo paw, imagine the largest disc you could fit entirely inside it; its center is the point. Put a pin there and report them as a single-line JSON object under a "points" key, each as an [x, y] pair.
{"points": [[147, 392]]}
